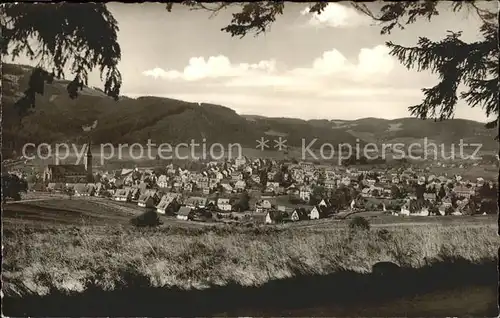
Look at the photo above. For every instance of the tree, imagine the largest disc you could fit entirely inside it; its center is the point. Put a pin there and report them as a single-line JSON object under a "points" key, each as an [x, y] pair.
{"points": [[13, 186], [420, 190], [395, 192], [69, 191], [86, 35], [359, 223], [243, 202], [83, 37], [441, 192], [317, 195]]}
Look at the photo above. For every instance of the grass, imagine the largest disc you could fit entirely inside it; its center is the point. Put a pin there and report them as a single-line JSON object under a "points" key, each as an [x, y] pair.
{"points": [[72, 259]]}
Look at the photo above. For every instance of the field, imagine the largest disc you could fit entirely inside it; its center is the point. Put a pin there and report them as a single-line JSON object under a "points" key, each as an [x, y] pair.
{"points": [[98, 248]]}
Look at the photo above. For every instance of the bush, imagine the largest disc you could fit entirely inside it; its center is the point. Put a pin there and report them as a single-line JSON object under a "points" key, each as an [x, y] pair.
{"points": [[148, 218], [384, 234], [359, 223]]}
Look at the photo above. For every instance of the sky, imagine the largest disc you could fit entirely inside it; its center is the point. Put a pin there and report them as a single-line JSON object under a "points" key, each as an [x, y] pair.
{"points": [[331, 66]]}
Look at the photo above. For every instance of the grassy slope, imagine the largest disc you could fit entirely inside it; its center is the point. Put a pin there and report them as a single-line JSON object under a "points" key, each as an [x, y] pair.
{"points": [[72, 258]]}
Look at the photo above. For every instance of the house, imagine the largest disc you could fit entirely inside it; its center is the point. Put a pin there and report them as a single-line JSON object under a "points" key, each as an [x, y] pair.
{"points": [[135, 193], [212, 183], [366, 192], [272, 185], [267, 194], [271, 175], [80, 189], [99, 189], [330, 184], [255, 178], [90, 190], [211, 204], [463, 192], [235, 176], [167, 201], [148, 199], [280, 190], [185, 213], [122, 195], [404, 210], [224, 204], [324, 203], [304, 194], [263, 206], [292, 190], [226, 186], [273, 217], [431, 197], [203, 183], [188, 187], [446, 202], [196, 202], [162, 181], [240, 185], [315, 213], [299, 214]]}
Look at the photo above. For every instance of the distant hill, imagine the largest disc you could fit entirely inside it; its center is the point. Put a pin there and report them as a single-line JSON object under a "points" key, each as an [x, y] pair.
{"points": [[57, 118]]}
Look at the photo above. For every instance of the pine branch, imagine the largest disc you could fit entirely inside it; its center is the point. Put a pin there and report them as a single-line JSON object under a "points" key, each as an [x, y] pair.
{"points": [[83, 36]]}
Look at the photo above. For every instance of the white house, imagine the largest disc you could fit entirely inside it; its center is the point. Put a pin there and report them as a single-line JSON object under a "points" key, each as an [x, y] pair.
{"points": [[314, 215], [404, 210], [223, 204], [268, 218], [240, 184], [304, 194]]}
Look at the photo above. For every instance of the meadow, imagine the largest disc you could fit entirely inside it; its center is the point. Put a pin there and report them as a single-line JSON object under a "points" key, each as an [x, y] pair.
{"points": [[69, 259]]}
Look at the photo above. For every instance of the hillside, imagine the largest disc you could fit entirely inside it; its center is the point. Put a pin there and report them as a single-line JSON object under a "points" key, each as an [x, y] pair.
{"points": [[57, 118]]}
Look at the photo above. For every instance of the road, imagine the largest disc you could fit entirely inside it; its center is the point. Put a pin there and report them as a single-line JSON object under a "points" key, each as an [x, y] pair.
{"points": [[33, 200]]}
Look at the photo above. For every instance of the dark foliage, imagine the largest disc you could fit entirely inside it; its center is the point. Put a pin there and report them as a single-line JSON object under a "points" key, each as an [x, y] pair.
{"points": [[149, 218], [79, 36], [359, 223]]}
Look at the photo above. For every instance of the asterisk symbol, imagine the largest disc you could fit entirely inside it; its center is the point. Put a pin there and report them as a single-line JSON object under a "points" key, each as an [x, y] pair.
{"points": [[280, 144], [262, 143]]}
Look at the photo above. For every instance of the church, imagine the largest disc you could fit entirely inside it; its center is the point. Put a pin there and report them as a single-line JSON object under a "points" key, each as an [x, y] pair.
{"points": [[70, 173]]}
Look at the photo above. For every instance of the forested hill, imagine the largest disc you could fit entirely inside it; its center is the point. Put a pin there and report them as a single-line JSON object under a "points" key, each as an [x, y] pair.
{"points": [[58, 118]]}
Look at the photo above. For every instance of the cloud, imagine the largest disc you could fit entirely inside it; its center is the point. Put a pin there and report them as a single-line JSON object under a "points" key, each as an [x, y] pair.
{"points": [[331, 69], [329, 85], [338, 16], [214, 67]]}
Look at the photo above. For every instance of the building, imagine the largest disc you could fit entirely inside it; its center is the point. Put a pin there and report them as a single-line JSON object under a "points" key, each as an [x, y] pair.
{"points": [[166, 202], [462, 191], [314, 215], [148, 199], [304, 194], [122, 195], [299, 214], [196, 202], [185, 213], [224, 204], [70, 173]]}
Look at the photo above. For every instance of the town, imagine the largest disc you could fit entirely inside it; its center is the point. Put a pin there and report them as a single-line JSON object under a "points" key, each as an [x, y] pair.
{"points": [[268, 190]]}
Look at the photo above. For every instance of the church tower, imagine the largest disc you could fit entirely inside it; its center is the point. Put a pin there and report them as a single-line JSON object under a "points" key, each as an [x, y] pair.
{"points": [[88, 163]]}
